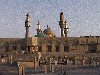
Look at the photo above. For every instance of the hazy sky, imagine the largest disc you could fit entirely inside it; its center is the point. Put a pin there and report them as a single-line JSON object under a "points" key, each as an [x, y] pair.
{"points": [[83, 16]]}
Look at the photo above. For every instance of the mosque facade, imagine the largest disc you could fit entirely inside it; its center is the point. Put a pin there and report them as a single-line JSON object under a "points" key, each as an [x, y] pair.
{"points": [[45, 45]]}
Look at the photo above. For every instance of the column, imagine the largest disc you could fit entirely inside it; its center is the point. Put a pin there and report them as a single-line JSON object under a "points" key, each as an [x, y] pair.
{"points": [[44, 48], [50, 63], [53, 48], [34, 63], [45, 69], [20, 70], [61, 68], [52, 69], [61, 48], [23, 70]]}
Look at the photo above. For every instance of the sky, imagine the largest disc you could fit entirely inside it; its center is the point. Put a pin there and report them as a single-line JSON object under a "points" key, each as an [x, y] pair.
{"points": [[82, 16]]}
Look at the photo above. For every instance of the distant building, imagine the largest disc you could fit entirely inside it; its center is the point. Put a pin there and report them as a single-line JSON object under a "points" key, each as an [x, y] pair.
{"points": [[46, 45]]}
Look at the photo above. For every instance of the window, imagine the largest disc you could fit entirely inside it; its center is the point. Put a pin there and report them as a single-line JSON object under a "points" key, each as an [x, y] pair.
{"points": [[66, 49], [40, 48], [57, 48], [15, 47], [92, 48], [28, 47], [23, 48], [7, 48], [49, 48]]}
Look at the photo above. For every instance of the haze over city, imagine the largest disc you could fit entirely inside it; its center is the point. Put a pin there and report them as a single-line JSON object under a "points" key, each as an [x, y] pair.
{"points": [[83, 16]]}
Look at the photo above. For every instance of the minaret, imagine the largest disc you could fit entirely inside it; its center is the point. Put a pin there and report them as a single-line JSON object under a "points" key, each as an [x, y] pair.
{"points": [[66, 29], [27, 25], [39, 28], [63, 25]]}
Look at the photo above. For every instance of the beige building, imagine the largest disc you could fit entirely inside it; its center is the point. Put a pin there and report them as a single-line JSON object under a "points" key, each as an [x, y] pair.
{"points": [[46, 45]]}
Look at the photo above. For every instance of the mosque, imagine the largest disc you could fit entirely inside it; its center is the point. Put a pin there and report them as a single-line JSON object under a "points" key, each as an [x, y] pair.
{"points": [[45, 45]]}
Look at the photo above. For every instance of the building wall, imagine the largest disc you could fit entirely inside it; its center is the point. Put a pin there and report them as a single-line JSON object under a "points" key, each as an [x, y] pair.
{"points": [[76, 45], [73, 46], [10, 44]]}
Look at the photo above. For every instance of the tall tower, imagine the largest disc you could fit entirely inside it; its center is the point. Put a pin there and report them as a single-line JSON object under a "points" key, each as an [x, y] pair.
{"points": [[39, 28], [27, 25], [66, 29], [63, 25]]}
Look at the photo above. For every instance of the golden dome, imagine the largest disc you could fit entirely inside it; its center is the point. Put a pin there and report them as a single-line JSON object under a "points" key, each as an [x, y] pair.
{"points": [[49, 32]]}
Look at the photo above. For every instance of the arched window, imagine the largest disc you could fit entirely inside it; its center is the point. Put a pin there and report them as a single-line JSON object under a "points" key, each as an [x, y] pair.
{"points": [[40, 48], [14, 47], [66, 48], [57, 48], [28, 47], [7, 48], [49, 48], [92, 47]]}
